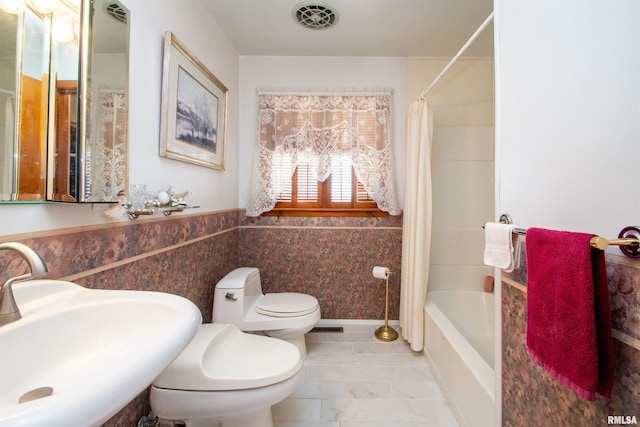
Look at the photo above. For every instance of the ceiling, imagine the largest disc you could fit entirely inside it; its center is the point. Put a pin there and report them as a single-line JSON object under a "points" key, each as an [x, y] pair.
{"points": [[408, 28]]}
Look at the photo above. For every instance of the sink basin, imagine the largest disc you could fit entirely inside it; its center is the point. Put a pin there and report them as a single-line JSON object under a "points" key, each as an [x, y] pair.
{"points": [[86, 352]]}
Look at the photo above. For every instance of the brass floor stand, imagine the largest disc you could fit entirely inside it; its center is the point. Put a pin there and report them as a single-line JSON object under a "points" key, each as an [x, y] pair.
{"points": [[386, 333]]}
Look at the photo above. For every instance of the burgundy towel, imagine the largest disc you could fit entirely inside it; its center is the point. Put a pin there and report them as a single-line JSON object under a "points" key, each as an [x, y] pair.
{"points": [[569, 330]]}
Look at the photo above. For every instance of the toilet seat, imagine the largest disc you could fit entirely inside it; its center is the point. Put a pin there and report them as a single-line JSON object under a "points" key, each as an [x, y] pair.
{"points": [[221, 357], [286, 304]]}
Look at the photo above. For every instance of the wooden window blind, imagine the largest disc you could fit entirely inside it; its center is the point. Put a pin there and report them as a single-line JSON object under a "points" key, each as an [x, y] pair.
{"points": [[340, 194]]}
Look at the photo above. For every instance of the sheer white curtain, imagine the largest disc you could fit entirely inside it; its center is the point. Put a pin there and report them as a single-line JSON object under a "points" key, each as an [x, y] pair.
{"points": [[416, 229], [313, 128]]}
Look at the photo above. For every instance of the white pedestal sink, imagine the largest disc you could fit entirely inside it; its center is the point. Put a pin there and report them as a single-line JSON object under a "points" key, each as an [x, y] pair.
{"points": [[86, 352]]}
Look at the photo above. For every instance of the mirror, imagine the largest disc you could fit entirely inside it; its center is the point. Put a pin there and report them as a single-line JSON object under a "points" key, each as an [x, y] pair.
{"points": [[61, 136], [63, 101], [24, 82], [104, 147]]}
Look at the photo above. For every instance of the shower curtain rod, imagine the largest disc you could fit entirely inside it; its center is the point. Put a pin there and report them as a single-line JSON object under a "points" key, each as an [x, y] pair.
{"points": [[455, 58]]}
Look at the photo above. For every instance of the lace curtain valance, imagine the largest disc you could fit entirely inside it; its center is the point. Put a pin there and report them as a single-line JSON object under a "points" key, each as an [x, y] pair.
{"points": [[314, 128]]}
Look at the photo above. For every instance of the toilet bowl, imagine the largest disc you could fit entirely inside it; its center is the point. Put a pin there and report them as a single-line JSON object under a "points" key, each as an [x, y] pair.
{"points": [[226, 378], [238, 299]]}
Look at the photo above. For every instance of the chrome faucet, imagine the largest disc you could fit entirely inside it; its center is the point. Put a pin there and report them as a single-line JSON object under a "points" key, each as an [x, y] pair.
{"points": [[9, 311]]}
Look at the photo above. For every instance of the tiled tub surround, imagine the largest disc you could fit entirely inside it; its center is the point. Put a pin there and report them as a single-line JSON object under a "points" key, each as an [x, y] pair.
{"points": [[330, 258], [530, 394]]}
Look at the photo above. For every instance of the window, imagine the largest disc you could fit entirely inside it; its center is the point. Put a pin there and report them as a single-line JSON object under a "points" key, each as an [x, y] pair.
{"points": [[340, 194], [321, 154]]}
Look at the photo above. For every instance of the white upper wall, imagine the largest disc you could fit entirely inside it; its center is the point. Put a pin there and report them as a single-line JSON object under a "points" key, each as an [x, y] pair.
{"points": [[317, 73], [194, 27], [212, 189], [463, 97], [568, 114]]}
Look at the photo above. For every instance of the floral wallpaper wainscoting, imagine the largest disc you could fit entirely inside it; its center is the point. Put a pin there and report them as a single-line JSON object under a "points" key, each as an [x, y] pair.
{"points": [[331, 258]]}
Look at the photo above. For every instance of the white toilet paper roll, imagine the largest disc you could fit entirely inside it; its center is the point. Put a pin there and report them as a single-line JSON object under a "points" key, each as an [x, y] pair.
{"points": [[380, 272]]}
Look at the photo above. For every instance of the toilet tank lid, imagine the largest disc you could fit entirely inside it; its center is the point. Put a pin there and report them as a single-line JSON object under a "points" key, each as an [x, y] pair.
{"points": [[237, 279]]}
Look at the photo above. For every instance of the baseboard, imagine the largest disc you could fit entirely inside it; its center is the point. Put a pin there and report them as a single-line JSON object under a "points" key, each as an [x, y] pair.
{"points": [[348, 322]]}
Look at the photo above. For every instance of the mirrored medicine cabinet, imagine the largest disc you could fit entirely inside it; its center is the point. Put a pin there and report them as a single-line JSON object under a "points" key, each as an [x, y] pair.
{"points": [[63, 100]]}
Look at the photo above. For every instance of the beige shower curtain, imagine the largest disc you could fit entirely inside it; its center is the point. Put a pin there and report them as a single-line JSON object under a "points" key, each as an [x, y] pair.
{"points": [[416, 232]]}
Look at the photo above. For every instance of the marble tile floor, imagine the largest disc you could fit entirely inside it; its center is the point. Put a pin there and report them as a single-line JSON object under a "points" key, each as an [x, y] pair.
{"points": [[351, 379]]}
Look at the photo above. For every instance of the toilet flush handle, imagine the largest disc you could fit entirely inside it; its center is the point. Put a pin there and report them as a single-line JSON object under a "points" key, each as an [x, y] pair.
{"points": [[231, 295]]}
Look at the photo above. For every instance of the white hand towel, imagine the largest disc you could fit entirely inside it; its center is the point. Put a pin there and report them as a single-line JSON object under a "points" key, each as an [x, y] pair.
{"points": [[498, 245]]}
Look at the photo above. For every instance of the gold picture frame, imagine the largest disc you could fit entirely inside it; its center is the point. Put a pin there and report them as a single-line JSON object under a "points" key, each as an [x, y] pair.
{"points": [[194, 109]]}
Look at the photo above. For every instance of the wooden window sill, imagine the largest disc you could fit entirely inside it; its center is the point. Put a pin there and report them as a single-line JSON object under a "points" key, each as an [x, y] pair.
{"points": [[326, 212]]}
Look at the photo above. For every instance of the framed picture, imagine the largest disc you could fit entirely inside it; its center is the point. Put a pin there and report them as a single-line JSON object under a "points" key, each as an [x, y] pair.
{"points": [[194, 109]]}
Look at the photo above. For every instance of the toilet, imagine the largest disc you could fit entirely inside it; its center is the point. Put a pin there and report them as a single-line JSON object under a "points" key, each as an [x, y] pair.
{"points": [[226, 378], [239, 300]]}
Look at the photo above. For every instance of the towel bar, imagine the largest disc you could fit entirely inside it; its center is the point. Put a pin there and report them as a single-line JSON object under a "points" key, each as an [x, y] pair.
{"points": [[628, 238], [602, 243]]}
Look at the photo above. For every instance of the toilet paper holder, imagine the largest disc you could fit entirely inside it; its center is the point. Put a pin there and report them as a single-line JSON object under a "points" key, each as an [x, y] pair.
{"points": [[385, 333]]}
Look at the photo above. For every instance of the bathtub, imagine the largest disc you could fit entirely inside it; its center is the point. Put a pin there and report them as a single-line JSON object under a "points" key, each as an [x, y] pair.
{"points": [[459, 346]]}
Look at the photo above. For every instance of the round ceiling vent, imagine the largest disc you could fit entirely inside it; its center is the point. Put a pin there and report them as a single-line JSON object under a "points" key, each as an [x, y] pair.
{"points": [[315, 15]]}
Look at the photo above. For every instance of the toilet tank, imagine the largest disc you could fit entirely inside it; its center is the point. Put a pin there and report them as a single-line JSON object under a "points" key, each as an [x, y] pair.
{"points": [[234, 294]]}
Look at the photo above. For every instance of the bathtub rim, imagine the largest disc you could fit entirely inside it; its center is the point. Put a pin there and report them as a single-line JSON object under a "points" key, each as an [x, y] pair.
{"points": [[479, 368]]}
